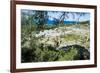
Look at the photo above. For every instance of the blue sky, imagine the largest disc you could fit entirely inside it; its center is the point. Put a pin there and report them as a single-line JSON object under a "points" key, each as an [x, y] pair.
{"points": [[70, 16], [57, 14]]}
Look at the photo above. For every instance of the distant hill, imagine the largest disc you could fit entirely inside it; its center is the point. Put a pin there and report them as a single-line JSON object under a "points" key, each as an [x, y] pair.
{"points": [[51, 22]]}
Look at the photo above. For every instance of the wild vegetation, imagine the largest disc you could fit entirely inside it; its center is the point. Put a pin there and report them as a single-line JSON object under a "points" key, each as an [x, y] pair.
{"points": [[44, 42]]}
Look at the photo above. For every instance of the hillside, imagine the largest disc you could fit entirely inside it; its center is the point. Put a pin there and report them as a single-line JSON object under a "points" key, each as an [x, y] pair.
{"points": [[62, 43]]}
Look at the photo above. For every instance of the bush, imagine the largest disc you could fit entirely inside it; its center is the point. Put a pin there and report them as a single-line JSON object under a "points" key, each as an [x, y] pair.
{"points": [[73, 52]]}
